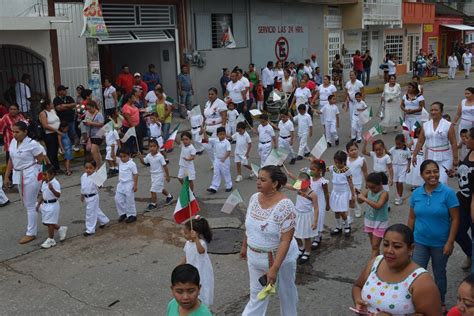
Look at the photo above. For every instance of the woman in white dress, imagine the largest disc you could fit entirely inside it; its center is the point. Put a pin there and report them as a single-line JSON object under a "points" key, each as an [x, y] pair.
{"points": [[288, 83], [215, 116], [391, 96], [26, 155], [110, 98], [269, 246], [324, 91], [439, 138], [412, 105], [465, 111]]}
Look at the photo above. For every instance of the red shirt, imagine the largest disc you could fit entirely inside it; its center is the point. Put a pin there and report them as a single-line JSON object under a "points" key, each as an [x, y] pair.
{"points": [[125, 81], [311, 85], [358, 63], [142, 86], [6, 124], [3, 111], [134, 115]]}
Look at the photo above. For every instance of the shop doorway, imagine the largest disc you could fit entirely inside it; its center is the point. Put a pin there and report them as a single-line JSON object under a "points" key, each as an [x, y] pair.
{"points": [[413, 48]]}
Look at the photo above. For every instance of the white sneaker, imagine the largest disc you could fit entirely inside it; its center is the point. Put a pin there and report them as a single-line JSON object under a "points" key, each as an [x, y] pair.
{"points": [[238, 179], [357, 212], [76, 148], [48, 243], [62, 233], [398, 201]]}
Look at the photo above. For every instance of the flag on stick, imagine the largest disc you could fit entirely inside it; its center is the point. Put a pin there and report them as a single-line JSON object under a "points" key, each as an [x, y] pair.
{"points": [[417, 125], [320, 147], [99, 176], [240, 118], [130, 132], [232, 201], [196, 110], [404, 125], [366, 116], [170, 141], [43, 170], [301, 185], [187, 205], [277, 157], [374, 131], [255, 169], [105, 129]]}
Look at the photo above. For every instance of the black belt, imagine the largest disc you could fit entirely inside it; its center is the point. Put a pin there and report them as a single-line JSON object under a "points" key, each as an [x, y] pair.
{"points": [[50, 201], [285, 137], [90, 195], [196, 127], [266, 142]]}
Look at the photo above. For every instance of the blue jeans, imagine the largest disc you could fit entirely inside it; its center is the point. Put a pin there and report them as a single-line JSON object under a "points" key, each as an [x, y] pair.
{"points": [[366, 76], [422, 255], [72, 131], [186, 98], [165, 129]]}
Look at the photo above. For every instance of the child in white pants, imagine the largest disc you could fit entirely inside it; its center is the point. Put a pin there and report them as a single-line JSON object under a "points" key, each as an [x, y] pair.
{"points": [[112, 145], [331, 119], [222, 151], [305, 130], [196, 122], [126, 188], [401, 161], [243, 145], [453, 64], [266, 137], [286, 135], [90, 195], [232, 115], [356, 125]]}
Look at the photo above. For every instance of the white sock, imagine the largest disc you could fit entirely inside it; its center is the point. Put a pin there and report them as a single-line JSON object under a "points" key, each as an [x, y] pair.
{"points": [[169, 195], [346, 224]]}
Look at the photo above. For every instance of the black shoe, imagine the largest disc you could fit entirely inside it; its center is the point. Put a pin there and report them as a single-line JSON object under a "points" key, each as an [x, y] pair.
{"points": [[102, 226], [292, 162], [228, 190], [169, 199], [303, 259], [337, 142], [299, 158], [347, 231], [329, 144], [199, 153], [131, 219], [315, 244], [122, 218], [359, 141], [86, 234], [5, 204], [336, 231], [211, 190], [306, 155], [150, 207]]}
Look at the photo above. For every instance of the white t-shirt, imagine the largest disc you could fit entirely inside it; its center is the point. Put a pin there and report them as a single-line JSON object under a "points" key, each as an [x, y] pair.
{"points": [[246, 83], [156, 162], [467, 58], [47, 193], [23, 92], [221, 147], [380, 164], [155, 130], [400, 156], [126, 170], [302, 96], [267, 77], [325, 92], [151, 98], [111, 138], [241, 143], [308, 70], [353, 88], [235, 91], [359, 106], [265, 133], [187, 151], [330, 112], [392, 67], [286, 128], [109, 98], [232, 115], [413, 104], [355, 166], [87, 186], [304, 123]]}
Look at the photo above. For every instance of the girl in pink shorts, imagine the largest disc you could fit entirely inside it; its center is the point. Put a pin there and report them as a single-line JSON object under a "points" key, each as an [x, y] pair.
{"points": [[376, 210]]}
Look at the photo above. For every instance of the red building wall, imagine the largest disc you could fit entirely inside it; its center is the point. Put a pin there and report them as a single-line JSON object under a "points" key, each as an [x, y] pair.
{"points": [[441, 39]]}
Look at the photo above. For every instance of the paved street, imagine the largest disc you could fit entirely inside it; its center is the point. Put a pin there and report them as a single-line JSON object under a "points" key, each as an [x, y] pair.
{"points": [[125, 268]]}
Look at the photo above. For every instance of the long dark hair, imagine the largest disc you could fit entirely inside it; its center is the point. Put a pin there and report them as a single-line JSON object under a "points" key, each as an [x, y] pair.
{"points": [[201, 227]]}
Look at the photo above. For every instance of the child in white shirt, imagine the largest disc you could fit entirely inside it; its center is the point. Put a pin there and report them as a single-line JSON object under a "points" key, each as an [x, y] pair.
{"points": [[155, 128], [266, 137], [305, 130], [196, 121], [331, 120], [112, 145], [286, 135], [186, 160], [232, 115], [381, 161], [242, 150], [356, 125], [157, 164], [401, 161], [90, 195], [126, 188], [222, 151]]}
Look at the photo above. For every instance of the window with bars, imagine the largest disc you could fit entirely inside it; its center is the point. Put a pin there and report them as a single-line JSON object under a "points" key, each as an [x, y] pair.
{"points": [[220, 26], [364, 45], [394, 46]]}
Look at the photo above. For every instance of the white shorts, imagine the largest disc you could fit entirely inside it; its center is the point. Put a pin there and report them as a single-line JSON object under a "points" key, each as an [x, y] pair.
{"points": [[186, 171], [399, 173], [50, 213], [108, 152], [241, 158], [157, 182]]}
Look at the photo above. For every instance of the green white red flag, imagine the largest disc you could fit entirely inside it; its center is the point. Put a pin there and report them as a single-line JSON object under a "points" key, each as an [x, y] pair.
{"points": [[170, 141], [187, 205]]}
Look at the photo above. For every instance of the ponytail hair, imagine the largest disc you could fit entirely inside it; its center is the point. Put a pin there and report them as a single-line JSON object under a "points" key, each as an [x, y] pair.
{"points": [[201, 227], [321, 165]]}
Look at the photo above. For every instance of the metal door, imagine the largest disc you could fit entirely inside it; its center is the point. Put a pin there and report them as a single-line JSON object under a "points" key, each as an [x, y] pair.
{"points": [[334, 47]]}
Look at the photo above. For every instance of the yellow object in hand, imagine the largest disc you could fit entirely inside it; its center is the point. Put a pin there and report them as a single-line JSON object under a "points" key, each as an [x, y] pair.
{"points": [[268, 290]]}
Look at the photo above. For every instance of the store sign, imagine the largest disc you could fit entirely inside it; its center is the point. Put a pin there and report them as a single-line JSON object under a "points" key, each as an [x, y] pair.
{"points": [[428, 28], [94, 25]]}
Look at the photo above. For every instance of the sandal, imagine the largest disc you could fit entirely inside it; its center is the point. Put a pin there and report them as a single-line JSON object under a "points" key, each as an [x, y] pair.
{"points": [[335, 231], [315, 244], [304, 258], [301, 253], [347, 231]]}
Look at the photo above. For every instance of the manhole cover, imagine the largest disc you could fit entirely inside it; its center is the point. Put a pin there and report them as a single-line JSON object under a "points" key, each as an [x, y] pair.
{"points": [[226, 241]]}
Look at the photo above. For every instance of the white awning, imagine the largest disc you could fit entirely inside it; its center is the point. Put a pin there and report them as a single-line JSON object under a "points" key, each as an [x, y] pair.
{"points": [[460, 27], [136, 36]]}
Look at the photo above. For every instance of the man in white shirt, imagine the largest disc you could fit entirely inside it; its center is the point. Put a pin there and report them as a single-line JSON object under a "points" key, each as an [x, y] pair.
{"points": [[23, 94], [248, 102], [268, 80], [392, 67], [467, 60], [236, 89]]}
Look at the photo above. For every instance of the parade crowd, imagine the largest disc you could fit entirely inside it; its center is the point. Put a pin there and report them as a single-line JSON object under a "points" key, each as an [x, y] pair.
{"points": [[137, 116]]}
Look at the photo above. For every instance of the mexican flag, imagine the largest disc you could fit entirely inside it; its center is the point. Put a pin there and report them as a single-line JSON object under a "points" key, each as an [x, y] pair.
{"points": [[404, 125], [43, 170], [187, 205], [301, 185], [374, 131], [232, 201], [170, 141], [417, 125]]}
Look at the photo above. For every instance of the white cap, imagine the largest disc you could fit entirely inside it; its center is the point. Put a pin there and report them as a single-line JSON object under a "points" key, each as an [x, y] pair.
{"points": [[137, 74]]}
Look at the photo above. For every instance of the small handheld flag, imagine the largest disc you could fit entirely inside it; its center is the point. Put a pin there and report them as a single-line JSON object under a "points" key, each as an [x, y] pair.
{"points": [[170, 141], [187, 205], [232, 201]]}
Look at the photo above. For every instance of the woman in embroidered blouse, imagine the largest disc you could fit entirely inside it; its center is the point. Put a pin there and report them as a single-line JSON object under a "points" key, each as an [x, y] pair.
{"points": [[392, 284], [269, 246]]}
